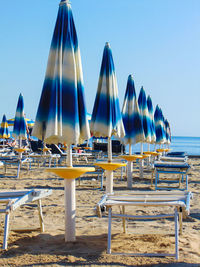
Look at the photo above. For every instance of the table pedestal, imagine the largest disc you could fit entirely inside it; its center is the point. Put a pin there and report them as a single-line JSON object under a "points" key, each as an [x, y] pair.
{"points": [[70, 210], [109, 167], [109, 182], [130, 159], [69, 174]]}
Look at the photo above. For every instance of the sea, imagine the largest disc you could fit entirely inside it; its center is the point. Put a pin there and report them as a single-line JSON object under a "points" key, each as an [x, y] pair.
{"points": [[187, 144]]}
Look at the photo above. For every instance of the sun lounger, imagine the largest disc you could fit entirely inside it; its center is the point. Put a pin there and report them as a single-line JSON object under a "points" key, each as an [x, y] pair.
{"points": [[42, 159], [172, 168], [14, 160], [174, 159], [11, 200], [177, 201], [176, 154]]}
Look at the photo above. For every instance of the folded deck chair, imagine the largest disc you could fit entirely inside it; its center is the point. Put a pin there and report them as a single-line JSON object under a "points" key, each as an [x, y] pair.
{"points": [[173, 159], [173, 169], [14, 160], [176, 154], [177, 202], [11, 200]]}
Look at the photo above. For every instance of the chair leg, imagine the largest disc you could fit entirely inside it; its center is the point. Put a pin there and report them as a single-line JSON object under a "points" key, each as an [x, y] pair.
{"points": [[123, 220], [40, 216], [6, 231], [109, 230], [18, 169], [180, 215], [176, 233]]}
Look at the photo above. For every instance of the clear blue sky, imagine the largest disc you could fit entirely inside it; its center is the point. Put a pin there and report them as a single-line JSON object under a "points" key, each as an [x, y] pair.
{"points": [[158, 41]]}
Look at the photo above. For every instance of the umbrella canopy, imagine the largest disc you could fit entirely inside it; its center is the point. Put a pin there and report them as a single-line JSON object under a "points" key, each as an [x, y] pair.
{"points": [[131, 115], [19, 129], [106, 116], [4, 132], [159, 126], [150, 110], [61, 115], [167, 132], [146, 122], [29, 122]]}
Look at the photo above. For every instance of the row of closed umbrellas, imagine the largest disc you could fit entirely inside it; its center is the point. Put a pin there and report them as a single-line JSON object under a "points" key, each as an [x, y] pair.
{"points": [[62, 116]]}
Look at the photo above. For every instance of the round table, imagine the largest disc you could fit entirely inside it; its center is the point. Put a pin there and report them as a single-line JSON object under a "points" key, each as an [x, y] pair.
{"points": [[109, 167], [69, 174]]}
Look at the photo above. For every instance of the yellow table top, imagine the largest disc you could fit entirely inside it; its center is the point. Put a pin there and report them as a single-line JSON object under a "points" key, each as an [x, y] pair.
{"points": [[87, 147], [110, 166], [20, 150], [152, 153], [45, 149], [70, 172], [163, 149], [144, 156], [132, 157]]}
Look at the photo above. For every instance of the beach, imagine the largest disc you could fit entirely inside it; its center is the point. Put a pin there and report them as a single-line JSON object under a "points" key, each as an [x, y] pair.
{"points": [[27, 248]]}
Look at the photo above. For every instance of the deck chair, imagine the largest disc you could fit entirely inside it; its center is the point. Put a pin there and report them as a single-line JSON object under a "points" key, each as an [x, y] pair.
{"points": [[179, 171], [178, 202], [14, 160], [11, 200]]}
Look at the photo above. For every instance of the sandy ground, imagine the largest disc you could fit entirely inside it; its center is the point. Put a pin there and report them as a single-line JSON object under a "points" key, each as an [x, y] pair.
{"points": [[49, 249]]}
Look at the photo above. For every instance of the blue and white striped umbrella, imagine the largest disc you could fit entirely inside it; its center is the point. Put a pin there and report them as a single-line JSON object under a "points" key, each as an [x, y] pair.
{"points": [[131, 115], [62, 115], [150, 110], [4, 131], [159, 126], [106, 116], [167, 132], [142, 102], [163, 125], [19, 129]]}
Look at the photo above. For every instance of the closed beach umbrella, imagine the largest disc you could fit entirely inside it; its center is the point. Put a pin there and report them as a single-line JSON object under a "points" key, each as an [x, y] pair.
{"points": [[61, 115], [19, 129], [4, 132], [167, 132], [146, 122], [132, 122], [131, 115], [150, 110], [159, 126], [106, 118]]}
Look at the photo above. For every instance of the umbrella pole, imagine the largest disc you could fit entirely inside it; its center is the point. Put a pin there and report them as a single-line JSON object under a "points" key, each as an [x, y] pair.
{"points": [[70, 202], [129, 170], [141, 161], [109, 174], [20, 145]]}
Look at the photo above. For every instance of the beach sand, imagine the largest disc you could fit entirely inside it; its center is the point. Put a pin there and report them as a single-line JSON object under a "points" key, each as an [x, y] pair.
{"points": [[49, 249]]}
